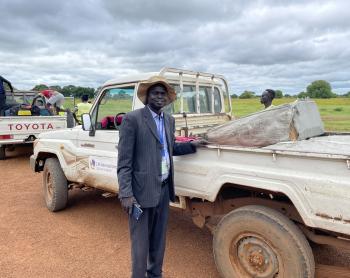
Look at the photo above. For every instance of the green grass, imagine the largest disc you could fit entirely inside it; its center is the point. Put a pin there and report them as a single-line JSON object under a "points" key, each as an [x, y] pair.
{"points": [[109, 108], [335, 112], [69, 103]]}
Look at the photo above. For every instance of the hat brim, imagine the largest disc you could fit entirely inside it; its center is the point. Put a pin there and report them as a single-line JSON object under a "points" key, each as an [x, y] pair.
{"points": [[144, 86]]}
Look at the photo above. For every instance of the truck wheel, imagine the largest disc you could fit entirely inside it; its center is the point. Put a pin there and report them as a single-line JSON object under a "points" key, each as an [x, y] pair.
{"points": [[2, 152], [55, 185], [256, 241]]}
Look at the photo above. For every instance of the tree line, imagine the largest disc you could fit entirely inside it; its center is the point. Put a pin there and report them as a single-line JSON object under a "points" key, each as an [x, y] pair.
{"points": [[317, 89], [67, 91]]}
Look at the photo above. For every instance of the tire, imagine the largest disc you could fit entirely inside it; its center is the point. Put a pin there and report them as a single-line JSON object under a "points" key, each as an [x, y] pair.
{"points": [[256, 241], [10, 148], [55, 185], [2, 152]]}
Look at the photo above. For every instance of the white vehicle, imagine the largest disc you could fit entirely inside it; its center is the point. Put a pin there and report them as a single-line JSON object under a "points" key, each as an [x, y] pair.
{"points": [[262, 204], [25, 128]]}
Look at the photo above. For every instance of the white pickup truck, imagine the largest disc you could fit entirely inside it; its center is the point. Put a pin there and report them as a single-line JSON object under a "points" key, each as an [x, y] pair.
{"points": [[22, 129], [262, 204]]}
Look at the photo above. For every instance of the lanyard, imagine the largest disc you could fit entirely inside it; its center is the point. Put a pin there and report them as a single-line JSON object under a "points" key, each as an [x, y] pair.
{"points": [[161, 135]]}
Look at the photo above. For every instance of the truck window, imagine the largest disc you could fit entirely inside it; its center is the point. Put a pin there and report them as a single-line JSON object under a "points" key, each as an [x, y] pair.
{"points": [[209, 103], [217, 101], [6, 86], [227, 101], [19, 98], [113, 102], [189, 100], [174, 107], [204, 97]]}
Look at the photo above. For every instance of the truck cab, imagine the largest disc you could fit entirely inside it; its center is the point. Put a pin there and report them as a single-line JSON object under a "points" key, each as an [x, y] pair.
{"points": [[201, 98], [202, 102]]}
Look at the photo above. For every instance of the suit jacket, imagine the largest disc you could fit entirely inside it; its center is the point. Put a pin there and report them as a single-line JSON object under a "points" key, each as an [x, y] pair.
{"points": [[139, 157]]}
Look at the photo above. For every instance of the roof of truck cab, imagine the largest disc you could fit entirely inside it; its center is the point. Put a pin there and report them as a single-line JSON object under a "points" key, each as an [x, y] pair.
{"points": [[146, 75], [130, 78]]}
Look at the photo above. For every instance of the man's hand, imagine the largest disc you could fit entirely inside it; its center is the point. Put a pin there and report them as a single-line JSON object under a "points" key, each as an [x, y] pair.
{"points": [[200, 142], [127, 203]]}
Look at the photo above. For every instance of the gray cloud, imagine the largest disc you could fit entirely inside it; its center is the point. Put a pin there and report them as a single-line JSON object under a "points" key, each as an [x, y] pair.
{"points": [[255, 44]]}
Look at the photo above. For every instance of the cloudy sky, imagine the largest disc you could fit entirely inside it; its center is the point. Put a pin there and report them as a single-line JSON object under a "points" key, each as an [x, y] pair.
{"points": [[255, 44]]}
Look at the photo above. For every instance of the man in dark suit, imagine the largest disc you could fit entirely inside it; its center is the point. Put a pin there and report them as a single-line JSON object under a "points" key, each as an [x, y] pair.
{"points": [[146, 174]]}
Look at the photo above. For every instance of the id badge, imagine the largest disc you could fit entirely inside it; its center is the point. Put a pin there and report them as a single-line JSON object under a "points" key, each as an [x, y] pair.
{"points": [[164, 166]]}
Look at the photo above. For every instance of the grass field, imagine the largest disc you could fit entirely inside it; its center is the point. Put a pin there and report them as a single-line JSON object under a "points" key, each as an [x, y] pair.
{"points": [[335, 112]]}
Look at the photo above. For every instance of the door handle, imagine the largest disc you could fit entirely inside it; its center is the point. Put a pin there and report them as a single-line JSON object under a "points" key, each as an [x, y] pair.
{"points": [[87, 145]]}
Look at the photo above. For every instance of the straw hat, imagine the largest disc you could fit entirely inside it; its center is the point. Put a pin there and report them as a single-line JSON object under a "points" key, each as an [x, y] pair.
{"points": [[144, 86]]}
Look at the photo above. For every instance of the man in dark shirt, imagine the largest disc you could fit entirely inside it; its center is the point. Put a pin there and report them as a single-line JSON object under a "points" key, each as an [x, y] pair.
{"points": [[267, 97]]}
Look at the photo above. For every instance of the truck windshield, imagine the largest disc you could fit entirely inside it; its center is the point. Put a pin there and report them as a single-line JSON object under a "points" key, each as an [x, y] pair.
{"points": [[113, 102]]}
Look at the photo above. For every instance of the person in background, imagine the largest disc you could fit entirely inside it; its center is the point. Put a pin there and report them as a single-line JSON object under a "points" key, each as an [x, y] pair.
{"points": [[54, 101], [3, 105], [267, 97], [82, 108]]}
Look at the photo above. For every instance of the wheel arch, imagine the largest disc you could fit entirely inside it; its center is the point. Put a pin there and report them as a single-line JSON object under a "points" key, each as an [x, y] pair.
{"points": [[41, 159], [267, 186]]}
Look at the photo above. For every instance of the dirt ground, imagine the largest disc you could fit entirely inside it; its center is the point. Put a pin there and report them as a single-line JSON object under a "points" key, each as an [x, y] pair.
{"points": [[90, 238]]}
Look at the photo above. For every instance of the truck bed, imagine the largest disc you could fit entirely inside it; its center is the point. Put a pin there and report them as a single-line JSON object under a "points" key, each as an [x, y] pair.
{"points": [[329, 145], [314, 174]]}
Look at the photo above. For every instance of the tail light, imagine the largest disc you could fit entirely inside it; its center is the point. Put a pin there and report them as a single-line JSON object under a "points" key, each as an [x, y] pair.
{"points": [[6, 136]]}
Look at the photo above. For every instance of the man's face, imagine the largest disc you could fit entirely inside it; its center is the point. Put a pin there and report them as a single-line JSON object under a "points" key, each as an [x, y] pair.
{"points": [[157, 97], [265, 97]]}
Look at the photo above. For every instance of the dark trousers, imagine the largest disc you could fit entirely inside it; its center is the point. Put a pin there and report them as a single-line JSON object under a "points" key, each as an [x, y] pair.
{"points": [[148, 236]]}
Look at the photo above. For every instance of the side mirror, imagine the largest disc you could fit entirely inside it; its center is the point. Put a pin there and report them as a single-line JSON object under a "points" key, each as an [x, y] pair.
{"points": [[86, 122]]}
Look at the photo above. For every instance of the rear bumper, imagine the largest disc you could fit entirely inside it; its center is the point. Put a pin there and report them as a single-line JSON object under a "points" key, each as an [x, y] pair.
{"points": [[13, 142], [19, 139]]}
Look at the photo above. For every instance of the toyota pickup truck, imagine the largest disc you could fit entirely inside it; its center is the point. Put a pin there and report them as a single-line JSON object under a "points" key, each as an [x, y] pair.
{"points": [[23, 127], [263, 205]]}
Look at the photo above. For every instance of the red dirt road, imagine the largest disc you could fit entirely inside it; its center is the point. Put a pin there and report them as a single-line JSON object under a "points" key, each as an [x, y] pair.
{"points": [[90, 238]]}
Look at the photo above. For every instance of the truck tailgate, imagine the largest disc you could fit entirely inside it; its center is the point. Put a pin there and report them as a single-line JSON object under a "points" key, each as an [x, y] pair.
{"points": [[19, 128]]}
